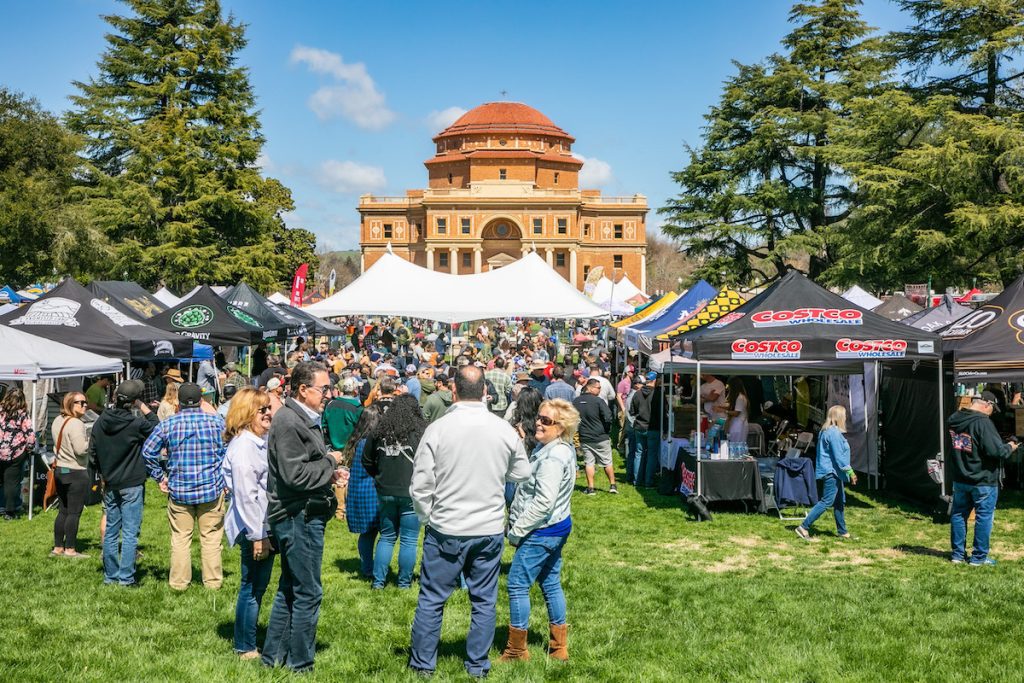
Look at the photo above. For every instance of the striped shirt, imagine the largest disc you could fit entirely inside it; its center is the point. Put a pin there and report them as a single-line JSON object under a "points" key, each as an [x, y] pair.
{"points": [[195, 456]]}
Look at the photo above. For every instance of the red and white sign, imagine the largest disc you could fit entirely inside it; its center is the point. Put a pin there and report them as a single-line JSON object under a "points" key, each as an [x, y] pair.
{"points": [[725, 320], [766, 349], [871, 348], [807, 316], [299, 285]]}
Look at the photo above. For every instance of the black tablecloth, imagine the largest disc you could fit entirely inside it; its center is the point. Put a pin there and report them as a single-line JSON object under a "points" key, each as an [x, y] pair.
{"points": [[728, 480]]}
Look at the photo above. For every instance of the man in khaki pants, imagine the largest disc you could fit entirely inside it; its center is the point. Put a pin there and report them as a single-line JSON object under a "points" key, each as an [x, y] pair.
{"points": [[194, 482]]}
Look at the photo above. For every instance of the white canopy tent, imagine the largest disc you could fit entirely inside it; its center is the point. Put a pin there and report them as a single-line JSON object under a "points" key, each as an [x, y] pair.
{"points": [[395, 287], [26, 357], [861, 297], [616, 296], [279, 298], [164, 296]]}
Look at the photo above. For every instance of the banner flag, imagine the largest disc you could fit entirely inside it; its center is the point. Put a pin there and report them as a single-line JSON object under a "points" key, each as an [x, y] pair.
{"points": [[299, 285]]}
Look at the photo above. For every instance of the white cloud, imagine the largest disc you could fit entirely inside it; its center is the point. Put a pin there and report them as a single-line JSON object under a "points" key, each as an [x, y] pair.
{"points": [[264, 163], [350, 177], [355, 97], [595, 173], [439, 120]]}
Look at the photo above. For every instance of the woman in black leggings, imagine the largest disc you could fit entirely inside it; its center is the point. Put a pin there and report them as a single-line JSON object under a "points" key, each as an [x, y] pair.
{"points": [[72, 447], [16, 441]]}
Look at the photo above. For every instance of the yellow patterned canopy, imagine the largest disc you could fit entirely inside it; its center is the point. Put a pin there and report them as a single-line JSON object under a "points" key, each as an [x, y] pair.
{"points": [[653, 308], [724, 302]]}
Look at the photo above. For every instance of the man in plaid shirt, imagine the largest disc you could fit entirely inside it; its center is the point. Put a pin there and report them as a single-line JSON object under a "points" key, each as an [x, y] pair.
{"points": [[502, 382], [194, 481]]}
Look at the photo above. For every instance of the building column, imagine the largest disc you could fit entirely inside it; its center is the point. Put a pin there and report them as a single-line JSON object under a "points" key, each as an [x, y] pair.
{"points": [[453, 260], [362, 262], [549, 256], [643, 273], [525, 249], [430, 258], [478, 257], [572, 266]]}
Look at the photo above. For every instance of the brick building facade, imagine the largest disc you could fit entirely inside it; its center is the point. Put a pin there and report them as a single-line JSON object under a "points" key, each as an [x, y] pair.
{"points": [[503, 182]]}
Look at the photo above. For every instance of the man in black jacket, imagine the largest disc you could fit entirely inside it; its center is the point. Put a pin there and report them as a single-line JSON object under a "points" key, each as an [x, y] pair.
{"points": [[646, 409], [978, 454], [595, 434], [299, 503], [116, 452]]}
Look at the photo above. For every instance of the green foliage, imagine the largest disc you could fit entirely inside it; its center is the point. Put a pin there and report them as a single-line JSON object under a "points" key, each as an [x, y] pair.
{"points": [[762, 188], [40, 229], [172, 138]]}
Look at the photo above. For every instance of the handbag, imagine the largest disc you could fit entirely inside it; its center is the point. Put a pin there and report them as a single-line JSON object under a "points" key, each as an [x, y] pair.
{"points": [[51, 477]]}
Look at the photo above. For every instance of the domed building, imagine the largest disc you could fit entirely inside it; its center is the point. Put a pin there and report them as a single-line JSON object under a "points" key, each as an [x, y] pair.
{"points": [[502, 182]]}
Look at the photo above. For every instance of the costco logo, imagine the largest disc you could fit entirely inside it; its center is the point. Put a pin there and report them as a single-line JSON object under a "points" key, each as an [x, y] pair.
{"points": [[871, 348], [766, 349], [807, 316]]}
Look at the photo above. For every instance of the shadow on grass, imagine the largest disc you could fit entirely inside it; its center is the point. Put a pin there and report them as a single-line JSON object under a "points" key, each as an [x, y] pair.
{"points": [[922, 550], [226, 629], [456, 649]]}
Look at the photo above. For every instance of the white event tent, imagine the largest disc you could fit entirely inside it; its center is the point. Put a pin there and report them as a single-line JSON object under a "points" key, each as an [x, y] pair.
{"points": [[164, 296], [279, 298], [392, 286], [615, 297], [863, 298]]}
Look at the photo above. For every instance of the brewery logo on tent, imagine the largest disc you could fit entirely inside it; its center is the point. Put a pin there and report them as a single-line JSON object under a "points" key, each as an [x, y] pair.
{"points": [[192, 316], [726, 320], [972, 322], [807, 316], [116, 316], [1016, 321], [766, 349], [871, 348], [162, 347], [244, 317], [53, 311]]}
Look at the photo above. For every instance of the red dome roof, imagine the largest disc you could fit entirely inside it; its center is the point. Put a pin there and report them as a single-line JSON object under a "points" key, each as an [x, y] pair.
{"points": [[503, 117]]}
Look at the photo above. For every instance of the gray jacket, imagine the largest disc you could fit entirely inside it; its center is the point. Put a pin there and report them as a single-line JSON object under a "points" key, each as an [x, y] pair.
{"points": [[544, 499], [298, 465]]}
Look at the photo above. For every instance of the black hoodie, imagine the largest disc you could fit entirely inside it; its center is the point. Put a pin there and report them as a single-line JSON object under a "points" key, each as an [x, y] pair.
{"points": [[641, 408], [977, 448], [115, 448]]}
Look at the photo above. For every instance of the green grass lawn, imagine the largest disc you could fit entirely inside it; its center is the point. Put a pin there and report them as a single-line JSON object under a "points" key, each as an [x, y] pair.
{"points": [[652, 597]]}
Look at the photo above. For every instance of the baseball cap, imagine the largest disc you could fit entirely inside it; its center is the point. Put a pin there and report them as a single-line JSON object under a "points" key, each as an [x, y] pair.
{"points": [[990, 398], [129, 390], [231, 367], [652, 376], [190, 395], [272, 383], [410, 369]]}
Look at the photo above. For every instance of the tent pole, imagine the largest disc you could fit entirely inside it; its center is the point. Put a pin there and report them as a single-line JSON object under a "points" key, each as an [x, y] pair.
{"points": [[32, 458], [700, 408], [867, 421], [942, 427]]}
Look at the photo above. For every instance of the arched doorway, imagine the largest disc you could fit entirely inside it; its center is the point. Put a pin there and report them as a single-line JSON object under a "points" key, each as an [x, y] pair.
{"points": [[502, 242]]}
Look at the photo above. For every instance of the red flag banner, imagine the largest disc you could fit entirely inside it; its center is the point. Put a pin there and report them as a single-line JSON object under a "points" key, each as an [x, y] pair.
{"points": [[299, 285]]}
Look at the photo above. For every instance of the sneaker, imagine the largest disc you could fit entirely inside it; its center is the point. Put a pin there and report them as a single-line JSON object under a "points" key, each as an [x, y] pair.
{"points": [[803, 533], [987, 562], [612, 489], [957, 560], [589, 492]]}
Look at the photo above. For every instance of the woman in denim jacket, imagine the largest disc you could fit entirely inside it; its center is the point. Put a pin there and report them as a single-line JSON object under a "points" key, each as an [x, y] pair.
{"points": [[833, 468], [539, 525]]}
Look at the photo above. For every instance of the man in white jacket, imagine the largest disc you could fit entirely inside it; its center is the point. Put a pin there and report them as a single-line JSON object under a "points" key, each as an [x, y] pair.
{"points": [[458, 491]]}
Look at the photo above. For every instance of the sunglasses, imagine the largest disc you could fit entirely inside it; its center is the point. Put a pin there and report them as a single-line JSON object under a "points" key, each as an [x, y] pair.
{"points": [[545, 420], [264, 410], [323, 390], [81, 403]]}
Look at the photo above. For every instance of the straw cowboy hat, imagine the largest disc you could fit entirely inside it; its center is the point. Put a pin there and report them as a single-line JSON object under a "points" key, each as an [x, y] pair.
{"points": [[174, 375]]}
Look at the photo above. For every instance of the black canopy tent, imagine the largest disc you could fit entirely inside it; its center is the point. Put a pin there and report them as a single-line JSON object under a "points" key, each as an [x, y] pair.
{"points": [[269, 314], [208, 318], [935, 318], [129, 297], [796, 322], [987, 345], [315, 326], [72, 315], [897, 307]]}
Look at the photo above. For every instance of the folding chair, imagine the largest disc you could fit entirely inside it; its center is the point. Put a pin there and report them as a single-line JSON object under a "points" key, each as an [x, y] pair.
{"points": [[755, 438], [787, 512], [781, 443], [803, 441]]}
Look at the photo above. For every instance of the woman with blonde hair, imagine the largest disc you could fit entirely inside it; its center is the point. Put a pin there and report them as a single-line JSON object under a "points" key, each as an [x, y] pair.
{"points": [[833, 468], [245, 473], [169, 403], [540, 521], [72, 447]]}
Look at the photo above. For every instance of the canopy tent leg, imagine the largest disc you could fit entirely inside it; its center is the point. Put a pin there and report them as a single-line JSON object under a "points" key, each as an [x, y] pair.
{"points": [[32, 457], [698, 439], [942, 431]]}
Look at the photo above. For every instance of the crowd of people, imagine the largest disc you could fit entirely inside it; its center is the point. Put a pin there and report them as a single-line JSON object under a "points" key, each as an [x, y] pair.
{"points": [[460, 444]]}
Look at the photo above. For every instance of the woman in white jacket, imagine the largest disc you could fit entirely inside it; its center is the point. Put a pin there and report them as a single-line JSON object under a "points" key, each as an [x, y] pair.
{"points": [[539, 524]]}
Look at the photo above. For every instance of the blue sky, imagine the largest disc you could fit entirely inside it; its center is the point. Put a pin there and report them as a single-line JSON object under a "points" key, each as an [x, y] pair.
{"points": [[352, 92]]}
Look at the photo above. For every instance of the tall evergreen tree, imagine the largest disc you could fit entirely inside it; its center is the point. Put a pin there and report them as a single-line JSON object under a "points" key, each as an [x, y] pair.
{"points": [[939, 166], [172, 138], [762, 191]]}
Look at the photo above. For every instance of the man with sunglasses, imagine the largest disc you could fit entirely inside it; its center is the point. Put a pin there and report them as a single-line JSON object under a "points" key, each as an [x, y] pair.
{"points": [[300, 501], [978, 456]]}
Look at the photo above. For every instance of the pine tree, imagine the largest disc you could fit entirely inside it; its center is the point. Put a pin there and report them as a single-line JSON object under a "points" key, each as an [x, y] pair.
{"points": [[762, 192], [172, 138], [939, 165]]}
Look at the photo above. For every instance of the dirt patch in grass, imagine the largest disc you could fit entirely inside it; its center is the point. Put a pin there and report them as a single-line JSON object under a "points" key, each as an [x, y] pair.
{"points": [[747, 541], [733, 563], [684, 545]]}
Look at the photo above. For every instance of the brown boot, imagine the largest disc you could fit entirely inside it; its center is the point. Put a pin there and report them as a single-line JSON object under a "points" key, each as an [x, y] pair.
{"points": [[558, 648], [516, 648]]}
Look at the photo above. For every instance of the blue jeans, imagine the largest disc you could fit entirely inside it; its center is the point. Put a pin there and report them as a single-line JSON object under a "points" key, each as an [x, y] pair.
{"points": [[981, 499], [397, 519], [833, 496], [365, 545], [124, 521], [254, 582], [648, 454], [291, 632], [630, 454], [445, 559], [538, 559], [634, 467]]}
